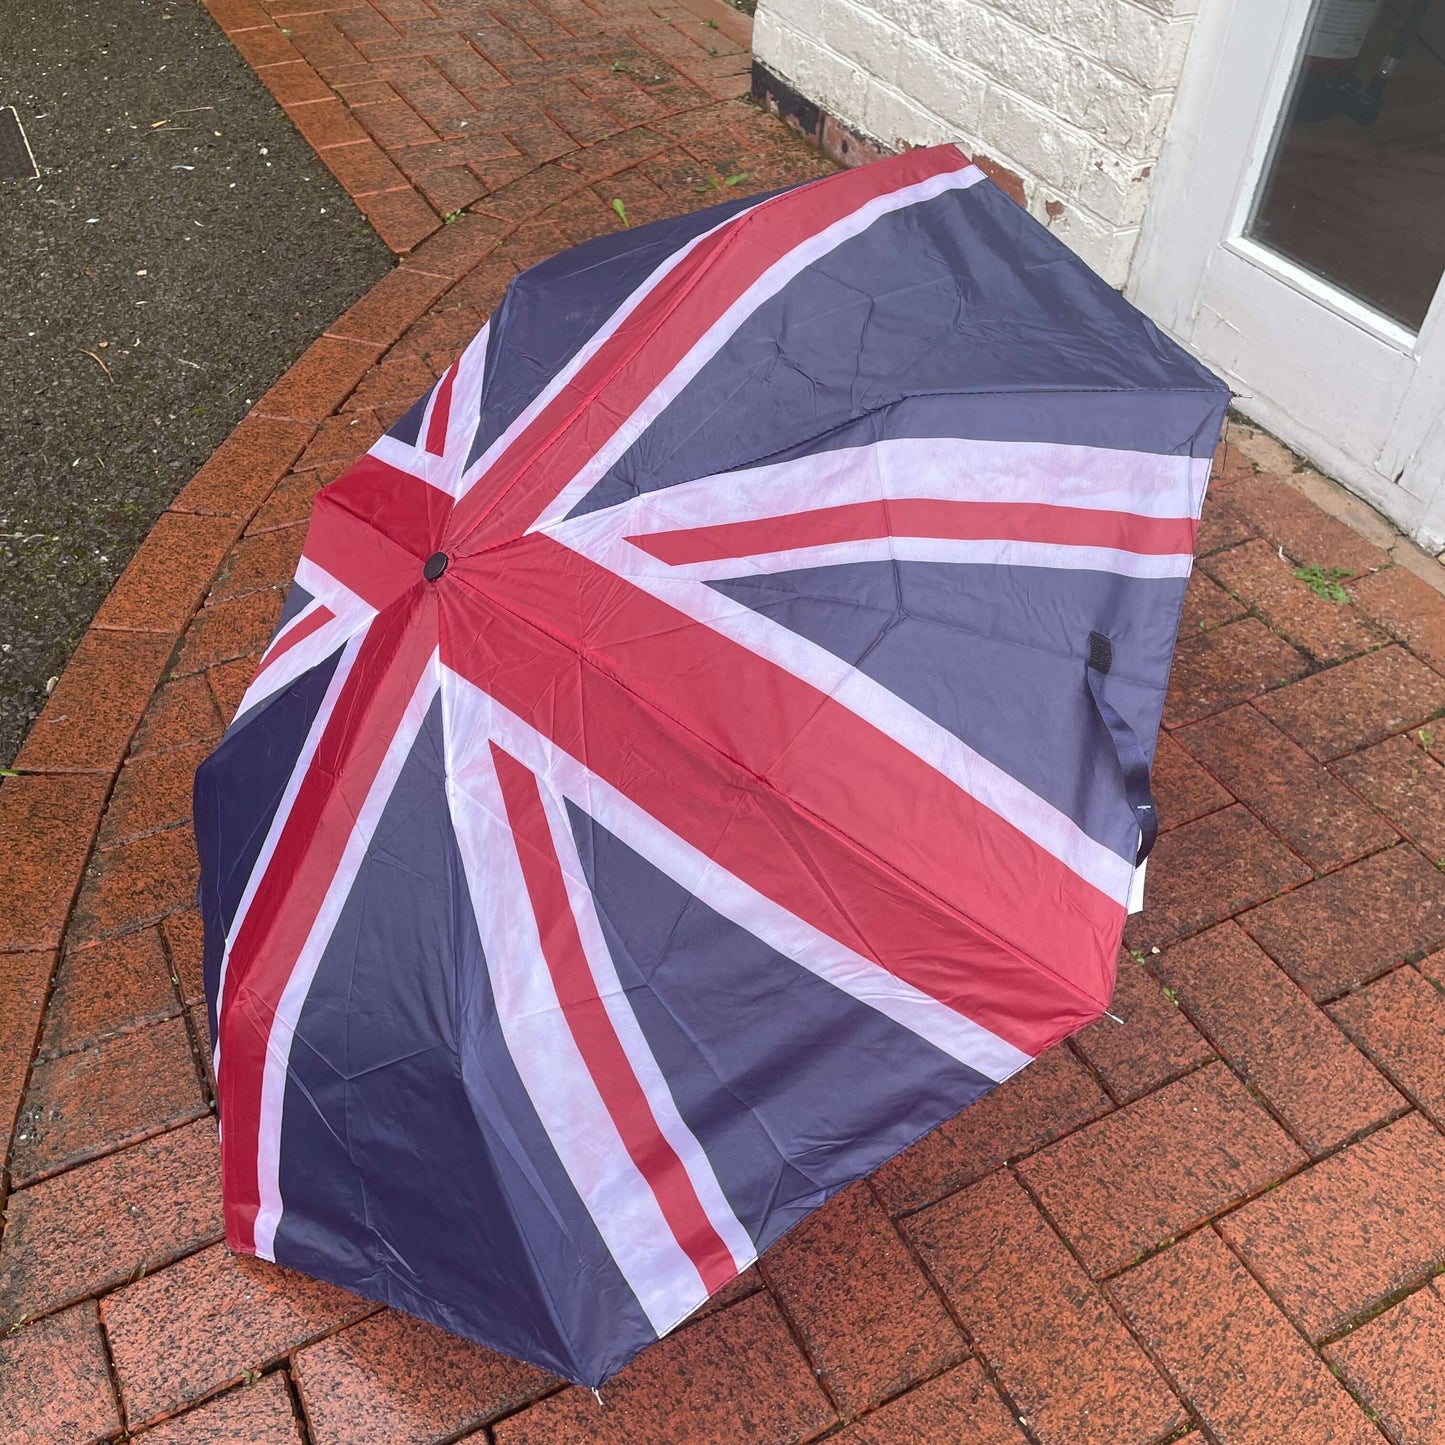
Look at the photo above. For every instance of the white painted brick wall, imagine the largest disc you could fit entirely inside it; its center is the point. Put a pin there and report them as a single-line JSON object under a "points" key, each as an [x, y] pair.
{"points": [[1071, 95]]}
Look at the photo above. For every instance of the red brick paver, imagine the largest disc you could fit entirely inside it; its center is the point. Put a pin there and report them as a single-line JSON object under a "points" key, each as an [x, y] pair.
{"points": [[1209, 869], [1183, 791], [1059, 1351], [1186, 1151], [870, 1321], [960, 1407], [190, 1330], [1407, 785], [81, 1232], [1335, 1241], [1396, 1365], [259, 1414], [87, 1103], [108, 988], [1047, 1099], [1227, 665], [1353, 925], [736, 1374], [1175, 1226], [1290, 521], [1399, 1021], [394, 1378], [1323, 1090], [1308, 806], [1153, 1044], [55, 1388], [1322, 628], [1232, 1354], [1357, 703]]}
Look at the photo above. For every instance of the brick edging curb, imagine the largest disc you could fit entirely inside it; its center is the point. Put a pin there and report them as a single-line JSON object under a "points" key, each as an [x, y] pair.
{"points": [[50, 813]]}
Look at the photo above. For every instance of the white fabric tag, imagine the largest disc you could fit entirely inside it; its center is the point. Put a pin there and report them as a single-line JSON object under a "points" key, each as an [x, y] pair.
{"points": [[1136, 888]]}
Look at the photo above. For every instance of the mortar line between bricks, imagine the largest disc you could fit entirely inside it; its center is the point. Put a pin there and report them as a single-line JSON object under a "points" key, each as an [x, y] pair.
{"points": [[1381, 1306], [269, 1365], [969, 1338], [1258, 1095], [231, 1387], [1364, 1406], [112, 1373], [1374, 808], [169, 747], [1025, 1154], [1236, 1204], [844, 1423], [174, 826], [1193, 1418], [1194, 930], [1315, 873], [1098, 1078], [169, 1127], [1208, 812], [462, 1432], [1097, 1285], [560, 1387], [1326, 764], [198, 1055], [517, 35], [90, 1041], [1252, 609], [55, 770], [1382, 1065], [298, 1405], [973, 1351], [792, 1327], [1317, 1350], [1414, 956], [140, 1272], [1010, 1160]]}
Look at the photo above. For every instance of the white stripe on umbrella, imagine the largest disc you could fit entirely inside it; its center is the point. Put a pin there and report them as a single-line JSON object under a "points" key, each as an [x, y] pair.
{"points": [[692, 870], [462, 420], [1004, 552], [634, 1042], [563, 378], [983, 780], [293, 999], [283, 814], [350, 616], [618, 1197], [936, 468], [778, 275], [465, 416]]}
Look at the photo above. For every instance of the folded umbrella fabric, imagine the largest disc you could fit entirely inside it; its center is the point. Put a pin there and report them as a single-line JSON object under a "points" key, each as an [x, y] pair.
{"points": [[705, 747]]}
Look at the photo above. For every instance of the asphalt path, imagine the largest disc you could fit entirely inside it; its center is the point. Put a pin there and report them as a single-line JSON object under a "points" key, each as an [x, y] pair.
{"points": [[180, 248]]}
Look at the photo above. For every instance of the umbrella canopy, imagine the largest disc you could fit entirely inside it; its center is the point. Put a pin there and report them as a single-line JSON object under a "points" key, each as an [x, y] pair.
{"points": [[705, 747]]}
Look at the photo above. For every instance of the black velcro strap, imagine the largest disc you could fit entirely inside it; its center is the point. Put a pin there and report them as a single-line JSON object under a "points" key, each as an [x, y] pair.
{"points": [[1127, 748]]}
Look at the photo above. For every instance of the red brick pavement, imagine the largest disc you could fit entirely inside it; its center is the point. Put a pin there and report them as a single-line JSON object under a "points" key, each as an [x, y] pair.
{"points": [[1221, 1220]]}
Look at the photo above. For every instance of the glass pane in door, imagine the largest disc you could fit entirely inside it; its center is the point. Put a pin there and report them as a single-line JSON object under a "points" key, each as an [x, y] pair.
{"points": [[1355, 187]]}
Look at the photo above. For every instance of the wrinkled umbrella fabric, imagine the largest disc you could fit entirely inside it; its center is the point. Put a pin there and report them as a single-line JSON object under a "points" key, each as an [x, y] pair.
{"points": [[704, 747]]}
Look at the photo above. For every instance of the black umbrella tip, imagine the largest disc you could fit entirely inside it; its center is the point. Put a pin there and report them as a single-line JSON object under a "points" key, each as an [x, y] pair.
{"points": [[436, 564]]}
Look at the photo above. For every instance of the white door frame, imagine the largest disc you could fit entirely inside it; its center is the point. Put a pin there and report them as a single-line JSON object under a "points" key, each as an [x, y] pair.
{"points": [[1359, 394]]}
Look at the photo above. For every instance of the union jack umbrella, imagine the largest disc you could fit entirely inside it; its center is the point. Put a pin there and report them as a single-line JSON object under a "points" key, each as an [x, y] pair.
{"points": [[706, 745]]}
